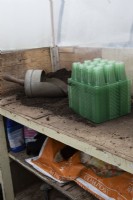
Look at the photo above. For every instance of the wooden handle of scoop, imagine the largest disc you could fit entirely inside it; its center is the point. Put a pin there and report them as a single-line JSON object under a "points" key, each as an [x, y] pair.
{"points": [[13, 79]]}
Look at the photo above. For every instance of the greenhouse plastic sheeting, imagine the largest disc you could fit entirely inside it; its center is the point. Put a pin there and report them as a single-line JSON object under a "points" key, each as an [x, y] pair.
{"points": [[24, 24], [94, 23]]}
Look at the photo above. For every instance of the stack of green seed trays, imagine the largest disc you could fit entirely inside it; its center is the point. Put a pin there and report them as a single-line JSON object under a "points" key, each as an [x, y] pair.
{"points": [[99, 90]]}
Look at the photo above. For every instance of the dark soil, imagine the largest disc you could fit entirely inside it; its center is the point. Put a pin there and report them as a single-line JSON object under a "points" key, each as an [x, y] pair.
{"points": [[58, 106], [61, 74]]}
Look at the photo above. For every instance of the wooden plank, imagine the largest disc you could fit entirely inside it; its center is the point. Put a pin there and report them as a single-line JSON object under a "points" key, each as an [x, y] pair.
{"points": [[66, 49], [5, 166], [20, 158], [65, 64], [67, 186], [80, 194], [77, 54], [111, 142], [36, 112], [33, 192], [68, 57], [8, 100], [17, 62]]}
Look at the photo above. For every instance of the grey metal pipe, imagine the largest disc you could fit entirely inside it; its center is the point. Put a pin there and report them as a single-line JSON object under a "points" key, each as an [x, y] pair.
{"points": [[37, 85]]}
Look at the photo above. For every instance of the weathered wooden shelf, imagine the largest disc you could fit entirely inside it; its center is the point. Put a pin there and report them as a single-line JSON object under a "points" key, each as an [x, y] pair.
{"points": [[111, 142], [33, 192], [71, 190]]}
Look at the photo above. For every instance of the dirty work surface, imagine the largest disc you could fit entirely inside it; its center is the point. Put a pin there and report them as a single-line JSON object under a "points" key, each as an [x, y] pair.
{"points": [[56, 106], [115, 136]]}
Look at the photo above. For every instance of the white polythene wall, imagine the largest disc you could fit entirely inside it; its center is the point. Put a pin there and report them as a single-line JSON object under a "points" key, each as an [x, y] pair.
{"points": [[24, 24], [94, 23]]}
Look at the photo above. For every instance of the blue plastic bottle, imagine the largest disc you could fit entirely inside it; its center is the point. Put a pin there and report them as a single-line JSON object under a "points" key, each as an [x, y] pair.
{"points": [[15, 135]]}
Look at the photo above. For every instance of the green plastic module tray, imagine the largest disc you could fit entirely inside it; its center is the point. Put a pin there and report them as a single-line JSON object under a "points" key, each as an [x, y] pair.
{"points": [[99, 90]]}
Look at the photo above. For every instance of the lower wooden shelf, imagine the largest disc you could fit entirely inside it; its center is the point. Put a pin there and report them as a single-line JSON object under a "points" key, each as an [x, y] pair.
{"points": [[33, 192], [71, 190]]}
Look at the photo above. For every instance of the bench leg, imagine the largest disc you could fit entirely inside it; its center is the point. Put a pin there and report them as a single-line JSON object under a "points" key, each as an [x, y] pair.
{"points": [[6, 178]]}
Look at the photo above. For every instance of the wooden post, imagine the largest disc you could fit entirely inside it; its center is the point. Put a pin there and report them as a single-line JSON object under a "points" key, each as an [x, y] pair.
{"points": [[6, 178]]}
